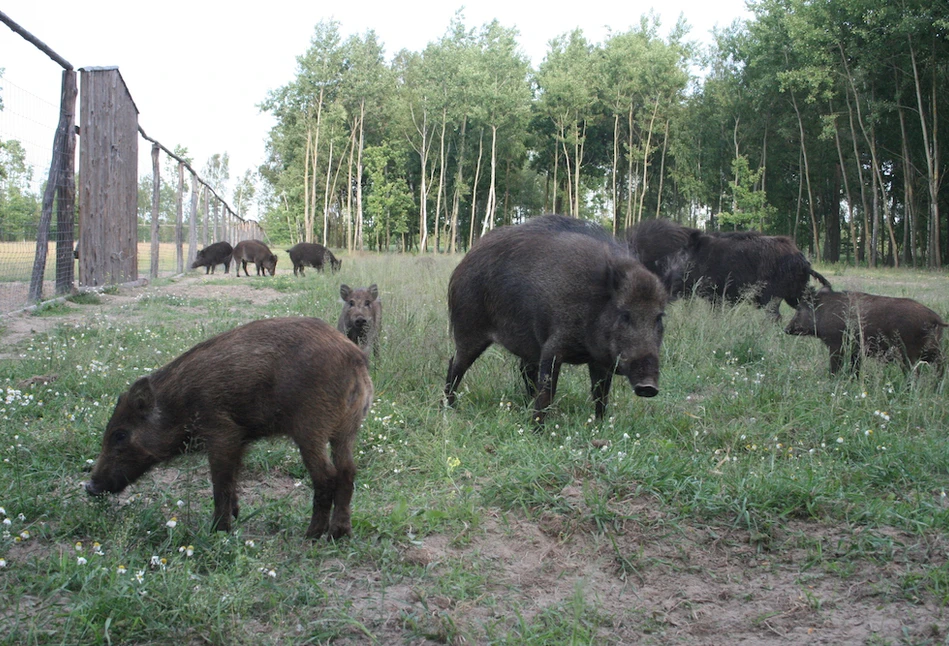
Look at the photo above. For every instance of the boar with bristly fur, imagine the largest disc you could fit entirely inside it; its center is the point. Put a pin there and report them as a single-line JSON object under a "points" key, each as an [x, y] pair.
{"points": [[361, 317], [314, 255], [551, 293], [292, 376], [727, 266], [219, 253], [854, 324], [256, 252]]}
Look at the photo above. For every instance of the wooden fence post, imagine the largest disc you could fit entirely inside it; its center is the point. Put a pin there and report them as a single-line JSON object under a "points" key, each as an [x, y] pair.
{"points": [[60, 184], [156, 199], [108, 196], [193, 221], [179, 220]]}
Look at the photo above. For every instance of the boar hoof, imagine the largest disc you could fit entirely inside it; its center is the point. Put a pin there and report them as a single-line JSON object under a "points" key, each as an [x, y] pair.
{"points": [[645, 390]]}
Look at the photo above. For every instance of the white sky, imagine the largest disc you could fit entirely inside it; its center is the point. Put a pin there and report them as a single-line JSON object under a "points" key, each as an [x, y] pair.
{"points": [[197, 70]]}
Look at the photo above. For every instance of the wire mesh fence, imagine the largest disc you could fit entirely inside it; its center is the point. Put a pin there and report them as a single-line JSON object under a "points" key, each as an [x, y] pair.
{"points": [[53, 241]]}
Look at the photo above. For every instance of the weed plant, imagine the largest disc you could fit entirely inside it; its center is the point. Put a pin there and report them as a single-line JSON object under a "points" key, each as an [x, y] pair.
{"points": [[749, 433]]}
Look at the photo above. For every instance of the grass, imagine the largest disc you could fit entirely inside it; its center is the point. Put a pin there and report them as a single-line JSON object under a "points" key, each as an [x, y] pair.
{"points": [[750, 443]]}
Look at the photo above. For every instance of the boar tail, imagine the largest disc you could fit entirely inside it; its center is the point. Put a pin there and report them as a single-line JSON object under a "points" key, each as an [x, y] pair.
{"points": [[823, 281]]}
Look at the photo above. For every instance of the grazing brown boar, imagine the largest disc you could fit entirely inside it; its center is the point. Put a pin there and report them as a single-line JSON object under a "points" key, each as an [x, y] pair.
{"points": [[312, 254], [855, 324], [726, 265], [297, 377], [219, 253], [256, 252], [361, 317], [554, 292]]}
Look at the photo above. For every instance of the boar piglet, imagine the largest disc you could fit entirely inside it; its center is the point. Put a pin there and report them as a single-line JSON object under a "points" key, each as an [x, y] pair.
{"points": [[294, 376], [314, 255], [256, 252], [551, 293], [855, 324], [361, 317], [219, 253]]}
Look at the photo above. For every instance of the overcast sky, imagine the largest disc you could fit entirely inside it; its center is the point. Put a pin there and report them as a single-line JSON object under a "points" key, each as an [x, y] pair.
{"points": [[197, 70]]}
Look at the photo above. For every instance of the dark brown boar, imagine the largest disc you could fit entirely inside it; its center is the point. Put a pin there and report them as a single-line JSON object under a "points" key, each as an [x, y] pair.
{"points": [[854, 324], [361, 317], [312, 254], [219, 253], [256, 252], [554, 293], [298, 377], [726, 266]]}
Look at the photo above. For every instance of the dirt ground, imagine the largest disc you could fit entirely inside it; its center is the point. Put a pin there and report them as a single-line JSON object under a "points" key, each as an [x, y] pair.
{"points": [[657, 580]]}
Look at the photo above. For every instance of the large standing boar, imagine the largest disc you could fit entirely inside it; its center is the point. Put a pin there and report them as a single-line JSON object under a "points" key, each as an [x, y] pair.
{"points": [[554, 294], [256, 252], [727, 265], [312, 254], [219, 253], [361, 317], [854, 324], [292, 376]]}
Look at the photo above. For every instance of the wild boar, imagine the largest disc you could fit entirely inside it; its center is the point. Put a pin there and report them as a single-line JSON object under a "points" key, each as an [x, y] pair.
{"points": [[256, 252], [297, 377], [553, 293], [854, 324], [361, 317], [219, 253], [726, 265], [312, 254]]}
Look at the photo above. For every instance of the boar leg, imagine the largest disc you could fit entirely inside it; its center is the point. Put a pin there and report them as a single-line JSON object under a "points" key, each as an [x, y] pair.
{"points": [[224, 458], [341, 523], [601, 379], [529, 372], [324, 476], [458, 365], [547, 377]]}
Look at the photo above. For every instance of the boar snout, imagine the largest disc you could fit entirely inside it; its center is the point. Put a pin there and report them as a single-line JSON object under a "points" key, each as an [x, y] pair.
{"points": [[646, 390], [93, 489]]}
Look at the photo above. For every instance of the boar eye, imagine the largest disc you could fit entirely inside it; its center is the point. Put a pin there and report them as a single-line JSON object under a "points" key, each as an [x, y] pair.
{"points": [[352, 303], [119, 437], [625, 317]]}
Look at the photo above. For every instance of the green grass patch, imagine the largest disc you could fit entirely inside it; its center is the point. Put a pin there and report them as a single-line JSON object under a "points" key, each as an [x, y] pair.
{"points": [[749, 437]]}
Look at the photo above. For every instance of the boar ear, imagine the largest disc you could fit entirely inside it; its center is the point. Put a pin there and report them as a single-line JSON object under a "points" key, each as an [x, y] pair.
{"points": [[344, 292], [141, 397], [374, 291], [614, 277]]}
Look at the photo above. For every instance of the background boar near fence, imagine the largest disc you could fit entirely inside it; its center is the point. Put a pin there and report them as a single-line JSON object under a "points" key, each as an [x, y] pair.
{"points": [[554, 292], [361, 317], [854, 324], [726, 265], [219, 253], [313, 255], [292, 376], [256, 252]]}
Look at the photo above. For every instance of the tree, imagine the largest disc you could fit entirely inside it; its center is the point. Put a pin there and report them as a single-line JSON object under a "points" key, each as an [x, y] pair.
{"points": [[19, 205]]}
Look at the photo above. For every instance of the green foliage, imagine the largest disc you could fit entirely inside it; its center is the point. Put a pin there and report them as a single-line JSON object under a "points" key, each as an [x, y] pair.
{"points": [[19, 205], [750, 206]]}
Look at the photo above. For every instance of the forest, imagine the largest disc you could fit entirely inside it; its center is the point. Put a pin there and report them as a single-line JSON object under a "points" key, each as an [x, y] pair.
{"points": [[816, 119]]}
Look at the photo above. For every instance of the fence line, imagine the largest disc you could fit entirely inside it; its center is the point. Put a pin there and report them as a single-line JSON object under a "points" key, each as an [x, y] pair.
{"points": [[104, 255]]}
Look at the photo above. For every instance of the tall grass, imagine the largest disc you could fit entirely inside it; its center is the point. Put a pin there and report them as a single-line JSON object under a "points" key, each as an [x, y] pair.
{"points": [[749, 431]]}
